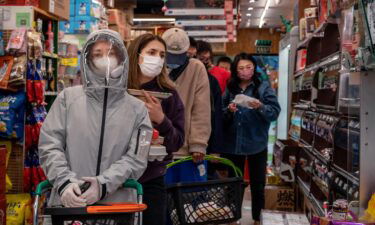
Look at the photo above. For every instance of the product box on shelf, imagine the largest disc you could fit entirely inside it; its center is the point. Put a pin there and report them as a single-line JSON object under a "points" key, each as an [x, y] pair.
{"points": [[66, 26], [279, 198], [269, 217], [60, 8], [116, 16], [301, 59], [328, 83], [286, 158], [347, 144], [84, 24], [87, 8], [20, 2], [72, 10]]}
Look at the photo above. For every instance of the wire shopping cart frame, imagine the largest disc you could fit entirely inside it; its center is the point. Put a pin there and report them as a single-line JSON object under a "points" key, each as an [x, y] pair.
{"points": [[208, 202], [114, 210]]}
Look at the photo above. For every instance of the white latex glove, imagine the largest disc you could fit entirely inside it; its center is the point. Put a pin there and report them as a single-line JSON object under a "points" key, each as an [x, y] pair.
{"points": [[243, 100], [71, 196], [92, 195]]}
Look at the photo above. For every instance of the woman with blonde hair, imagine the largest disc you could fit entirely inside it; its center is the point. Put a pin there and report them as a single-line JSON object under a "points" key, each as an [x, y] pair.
{"points": [[147, 71]]}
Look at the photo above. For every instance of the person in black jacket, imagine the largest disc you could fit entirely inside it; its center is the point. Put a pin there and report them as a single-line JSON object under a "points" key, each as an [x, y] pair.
{"points": [[215, 141]]}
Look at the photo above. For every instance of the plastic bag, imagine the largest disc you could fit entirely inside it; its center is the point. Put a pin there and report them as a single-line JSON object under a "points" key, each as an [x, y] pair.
{"points": [[243, 100], [16, 208]]}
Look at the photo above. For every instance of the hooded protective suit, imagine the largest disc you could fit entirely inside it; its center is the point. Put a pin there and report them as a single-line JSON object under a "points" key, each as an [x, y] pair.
{"points": [[98, 129]]}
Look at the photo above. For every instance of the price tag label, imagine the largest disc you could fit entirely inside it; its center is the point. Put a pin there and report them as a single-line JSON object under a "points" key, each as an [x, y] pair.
{"points": [[69, 62]]}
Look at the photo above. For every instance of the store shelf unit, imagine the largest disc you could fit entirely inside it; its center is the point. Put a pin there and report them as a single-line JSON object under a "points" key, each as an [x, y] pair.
{"points": [[324, 102], [20, 152]]}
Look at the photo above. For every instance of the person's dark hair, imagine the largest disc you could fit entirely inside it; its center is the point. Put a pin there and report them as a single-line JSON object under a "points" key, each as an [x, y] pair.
{"points": [[203, 46], [234, 82], [193, 42], [225, 59]]}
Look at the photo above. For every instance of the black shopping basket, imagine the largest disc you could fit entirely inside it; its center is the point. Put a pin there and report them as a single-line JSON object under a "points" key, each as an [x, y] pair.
{"points": [[210, 202], [106, 214]]}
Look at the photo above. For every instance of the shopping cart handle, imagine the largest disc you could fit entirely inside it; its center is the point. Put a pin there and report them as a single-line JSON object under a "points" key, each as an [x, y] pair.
{"points": [[42, 186], [131, 183]]}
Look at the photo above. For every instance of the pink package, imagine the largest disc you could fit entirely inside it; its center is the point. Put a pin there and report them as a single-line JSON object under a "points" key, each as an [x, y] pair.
{"points": [[17, 41]]}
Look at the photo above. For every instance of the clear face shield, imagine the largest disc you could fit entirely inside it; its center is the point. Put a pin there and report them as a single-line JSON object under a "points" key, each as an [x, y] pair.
{"points": [[105, 62]]}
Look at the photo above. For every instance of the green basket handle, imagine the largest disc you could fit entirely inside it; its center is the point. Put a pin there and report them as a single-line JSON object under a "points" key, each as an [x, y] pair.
{"points": [[42, 186], [237, 171], [45, 185], [131, 183]]}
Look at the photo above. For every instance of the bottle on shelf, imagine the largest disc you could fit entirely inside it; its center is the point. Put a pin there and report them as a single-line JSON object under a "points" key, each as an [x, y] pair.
{"points": [[49, 41]]}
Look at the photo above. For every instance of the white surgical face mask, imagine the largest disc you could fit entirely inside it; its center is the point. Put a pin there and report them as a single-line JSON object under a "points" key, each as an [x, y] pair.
{"points": [[151, 66], [105, 64]]}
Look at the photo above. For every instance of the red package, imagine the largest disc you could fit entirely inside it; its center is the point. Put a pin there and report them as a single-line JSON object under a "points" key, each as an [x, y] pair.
{"points": [[41, 174], [35, 179], [36, 133], [26, 179], [30, 91], [27, 174], [39, 91], [28, 136]]}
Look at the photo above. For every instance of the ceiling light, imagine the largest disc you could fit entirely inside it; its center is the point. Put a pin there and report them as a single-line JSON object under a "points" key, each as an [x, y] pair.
{"points": [[154, 20], [250, 8], [264, 13], [248, 14], [251, 1]]}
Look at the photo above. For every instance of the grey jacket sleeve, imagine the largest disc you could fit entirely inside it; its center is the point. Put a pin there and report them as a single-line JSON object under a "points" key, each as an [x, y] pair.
{"points": [[134, 162], [52, 143]]}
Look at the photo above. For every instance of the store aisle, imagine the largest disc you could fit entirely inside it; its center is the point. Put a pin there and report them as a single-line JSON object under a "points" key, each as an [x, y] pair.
{"points": [[246, 209]]}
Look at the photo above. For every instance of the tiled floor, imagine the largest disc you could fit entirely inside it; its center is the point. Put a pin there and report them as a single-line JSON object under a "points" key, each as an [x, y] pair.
{"points": [[246, 209]]}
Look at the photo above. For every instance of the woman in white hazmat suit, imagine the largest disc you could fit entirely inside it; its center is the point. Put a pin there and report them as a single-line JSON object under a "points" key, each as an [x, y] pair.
{"points": [[97, 132]]}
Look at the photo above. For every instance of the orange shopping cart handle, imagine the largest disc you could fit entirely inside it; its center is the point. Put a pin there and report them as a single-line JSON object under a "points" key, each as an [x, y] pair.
{"points": [[117, 208]]}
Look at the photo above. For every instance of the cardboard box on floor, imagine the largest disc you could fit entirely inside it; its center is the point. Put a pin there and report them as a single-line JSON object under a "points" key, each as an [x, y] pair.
{"points": [[269, 217], [279, 198]]}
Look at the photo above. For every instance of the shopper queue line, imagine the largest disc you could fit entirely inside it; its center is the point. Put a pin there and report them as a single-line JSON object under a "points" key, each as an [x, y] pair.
{"points": [[224, 109]]}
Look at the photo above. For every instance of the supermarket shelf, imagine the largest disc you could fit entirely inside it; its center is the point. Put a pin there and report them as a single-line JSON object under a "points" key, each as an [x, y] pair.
{"points": [[50, 55], [316, 33], [305, 188], [319, 156], [46, 14], [332, 59], [317, 205], [346, 174]]}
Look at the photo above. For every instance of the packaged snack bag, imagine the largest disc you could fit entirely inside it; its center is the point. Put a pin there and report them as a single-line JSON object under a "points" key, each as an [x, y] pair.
{"points": [[16, 208], [10, 104]]}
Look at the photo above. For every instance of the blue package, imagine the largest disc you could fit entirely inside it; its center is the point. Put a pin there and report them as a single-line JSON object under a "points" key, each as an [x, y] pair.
{"points": [[19, 124], [10, 104], [1, 44]]}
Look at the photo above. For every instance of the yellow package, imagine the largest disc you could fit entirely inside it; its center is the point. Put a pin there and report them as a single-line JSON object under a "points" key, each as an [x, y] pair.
{"points": [[16, 208], [8, 183], [370, 211], [29, 214], [8, 146]]}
